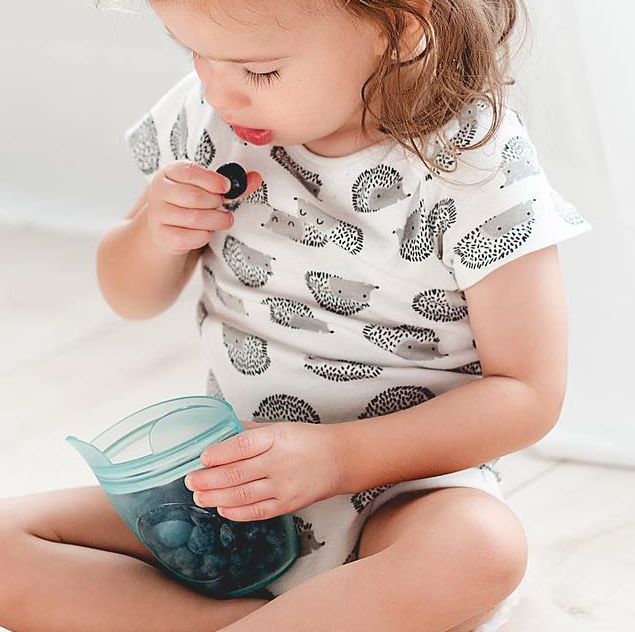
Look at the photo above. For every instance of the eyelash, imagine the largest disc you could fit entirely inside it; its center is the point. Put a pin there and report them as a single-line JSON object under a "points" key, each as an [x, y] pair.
{"points": [[254, 77]]}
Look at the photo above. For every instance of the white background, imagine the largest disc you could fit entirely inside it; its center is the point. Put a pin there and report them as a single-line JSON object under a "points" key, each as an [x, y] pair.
{"points": [[73, 78]]}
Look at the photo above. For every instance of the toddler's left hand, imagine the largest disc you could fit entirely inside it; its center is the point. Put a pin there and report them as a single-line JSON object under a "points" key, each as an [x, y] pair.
{"points": [[267, 470]]}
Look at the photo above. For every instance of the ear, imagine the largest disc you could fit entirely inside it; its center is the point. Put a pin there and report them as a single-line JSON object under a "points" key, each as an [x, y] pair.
{"points": [[412, 34]]}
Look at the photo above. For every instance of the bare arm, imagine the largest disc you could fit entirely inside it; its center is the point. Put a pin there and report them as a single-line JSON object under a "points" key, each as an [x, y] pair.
{"points": [[137, 279], [144, 262], [518, 316]]}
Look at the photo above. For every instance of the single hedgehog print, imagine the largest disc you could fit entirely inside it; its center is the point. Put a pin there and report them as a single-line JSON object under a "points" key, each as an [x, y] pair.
{"points": [[338, 295], [519, 161], [259, 196], [377, 188], [440, 305], [228, 300], [497, 237], [290, 313], [306, 537], [248, 354], [252, 267], [340, 370], [405, 341], [310, 181], [361, 500], [281, 407]]}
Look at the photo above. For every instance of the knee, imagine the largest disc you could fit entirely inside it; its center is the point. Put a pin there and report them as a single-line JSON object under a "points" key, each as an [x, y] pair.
{"points": [[496, 543]]}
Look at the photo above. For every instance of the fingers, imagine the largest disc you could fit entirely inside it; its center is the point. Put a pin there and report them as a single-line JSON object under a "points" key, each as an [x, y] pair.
{"points": [[187, 172], [196, 219], [247, 494], [189, 196]]}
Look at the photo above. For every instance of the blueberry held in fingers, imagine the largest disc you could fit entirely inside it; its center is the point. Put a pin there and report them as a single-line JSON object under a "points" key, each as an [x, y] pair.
{"points": [[238, 178]]}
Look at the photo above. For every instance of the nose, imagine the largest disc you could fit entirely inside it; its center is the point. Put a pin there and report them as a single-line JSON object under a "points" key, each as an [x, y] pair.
{"points": [[220, 93]]}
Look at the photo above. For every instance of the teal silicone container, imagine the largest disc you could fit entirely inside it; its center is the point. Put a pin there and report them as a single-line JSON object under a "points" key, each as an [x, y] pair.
{"points": [[141, 462]]}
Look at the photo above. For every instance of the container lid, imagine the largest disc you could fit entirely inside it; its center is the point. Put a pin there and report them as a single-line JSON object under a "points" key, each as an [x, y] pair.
{"points": [[171, 443]]}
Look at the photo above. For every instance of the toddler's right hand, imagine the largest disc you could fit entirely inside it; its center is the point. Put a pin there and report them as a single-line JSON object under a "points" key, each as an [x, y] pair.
{"points": [[185, 205]]}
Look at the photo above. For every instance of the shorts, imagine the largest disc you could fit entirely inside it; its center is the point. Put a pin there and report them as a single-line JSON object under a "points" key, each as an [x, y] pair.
{"points": [[329, 531]]}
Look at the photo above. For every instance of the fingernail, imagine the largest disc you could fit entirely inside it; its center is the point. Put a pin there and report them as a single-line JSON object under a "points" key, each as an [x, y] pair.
{"points": [[188, 482]]}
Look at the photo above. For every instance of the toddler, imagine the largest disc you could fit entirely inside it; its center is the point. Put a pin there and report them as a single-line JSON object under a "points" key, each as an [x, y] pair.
{"points": [[383, 306]]}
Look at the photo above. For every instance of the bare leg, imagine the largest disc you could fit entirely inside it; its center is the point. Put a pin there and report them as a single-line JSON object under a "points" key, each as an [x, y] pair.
{"points": [[451, 560], [69, 563]]}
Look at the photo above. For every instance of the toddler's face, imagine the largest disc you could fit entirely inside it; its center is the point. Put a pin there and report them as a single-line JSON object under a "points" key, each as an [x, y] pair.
{"points": [[322, 59]]}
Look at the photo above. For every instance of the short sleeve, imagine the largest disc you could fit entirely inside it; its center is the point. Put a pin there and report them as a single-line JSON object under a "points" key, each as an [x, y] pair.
{"points": [[508, 208], [179, 126]]}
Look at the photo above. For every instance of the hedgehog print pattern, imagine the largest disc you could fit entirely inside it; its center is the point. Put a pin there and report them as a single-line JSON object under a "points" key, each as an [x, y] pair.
{"points": [[306, 537], [259, 196], [315, 228], [228, 300], [497, 237], [252, 267], [310, 181], [440, 305], [248, 354], [341, 370], [405, 341], [338, 295], [281, 407], [361, 500], [354, 554], [377, 188], [519, 161], [144, 143], [294, 314]]}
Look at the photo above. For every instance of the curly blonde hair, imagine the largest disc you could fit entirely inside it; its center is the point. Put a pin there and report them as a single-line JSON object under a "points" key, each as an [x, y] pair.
{"points": [[466, 58]]}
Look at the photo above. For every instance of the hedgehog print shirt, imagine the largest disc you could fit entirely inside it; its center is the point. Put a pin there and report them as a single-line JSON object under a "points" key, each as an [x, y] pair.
{"points": [[337, 294]]}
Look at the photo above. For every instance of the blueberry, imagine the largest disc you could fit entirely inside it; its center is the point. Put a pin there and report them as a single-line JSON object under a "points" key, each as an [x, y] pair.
{"points": [[237, 177], [214, 565], [204, 539], [173, 533], [227, 537], [181, 561]]}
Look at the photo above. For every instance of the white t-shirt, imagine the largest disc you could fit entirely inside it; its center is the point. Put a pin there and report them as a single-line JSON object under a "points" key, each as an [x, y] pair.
{"points": [[337, 293]]}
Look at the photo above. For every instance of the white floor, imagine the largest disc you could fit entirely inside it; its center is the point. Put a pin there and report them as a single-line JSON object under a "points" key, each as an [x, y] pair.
{"points": [[68, 365]]}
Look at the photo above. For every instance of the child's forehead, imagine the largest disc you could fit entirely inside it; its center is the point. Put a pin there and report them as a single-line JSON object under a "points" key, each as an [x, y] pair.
{"points": [[256, 14]]}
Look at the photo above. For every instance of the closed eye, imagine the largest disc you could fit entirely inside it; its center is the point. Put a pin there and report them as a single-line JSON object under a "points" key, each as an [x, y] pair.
{"points": [[258, 79], [262, 78]]}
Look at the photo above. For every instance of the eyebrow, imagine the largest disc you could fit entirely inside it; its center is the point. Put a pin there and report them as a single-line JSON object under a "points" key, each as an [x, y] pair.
{"points": [[232, 59]]}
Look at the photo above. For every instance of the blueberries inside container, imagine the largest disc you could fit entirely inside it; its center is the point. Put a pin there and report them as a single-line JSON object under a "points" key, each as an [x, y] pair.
{"points": [[214, 555]]}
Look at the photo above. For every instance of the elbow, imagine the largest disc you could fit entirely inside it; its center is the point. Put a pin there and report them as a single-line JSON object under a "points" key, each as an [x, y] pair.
{"points": [[548, 404]]}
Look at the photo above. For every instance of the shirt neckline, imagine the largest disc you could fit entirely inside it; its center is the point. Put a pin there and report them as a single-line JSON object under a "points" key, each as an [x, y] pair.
{"points": [[371, 153]]}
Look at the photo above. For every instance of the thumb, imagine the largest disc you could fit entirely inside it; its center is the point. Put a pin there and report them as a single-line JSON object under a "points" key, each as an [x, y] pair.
{"points": [[254, 180]]}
